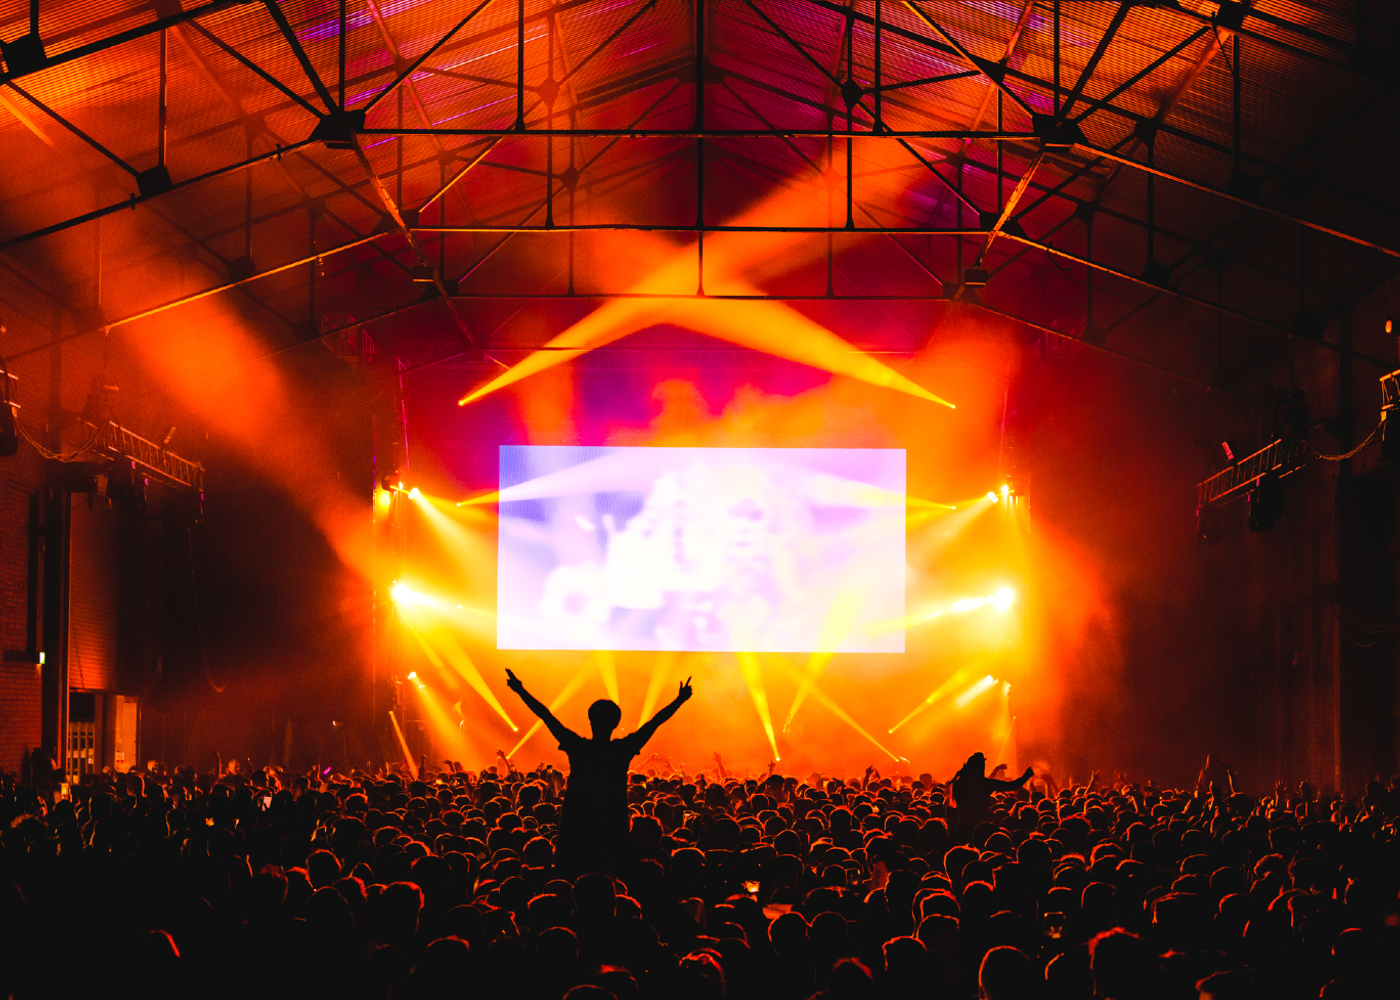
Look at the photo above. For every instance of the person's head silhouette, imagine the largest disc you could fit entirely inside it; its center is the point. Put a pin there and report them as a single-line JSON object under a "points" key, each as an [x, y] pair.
{"points": [[604, 716]]}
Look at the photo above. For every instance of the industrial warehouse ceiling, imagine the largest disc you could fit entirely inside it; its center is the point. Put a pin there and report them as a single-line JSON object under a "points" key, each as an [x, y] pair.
{"points": [[1186, 185]]}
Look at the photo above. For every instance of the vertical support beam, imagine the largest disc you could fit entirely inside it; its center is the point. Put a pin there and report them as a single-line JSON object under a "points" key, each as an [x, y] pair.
{"points": [[1056, 102]]}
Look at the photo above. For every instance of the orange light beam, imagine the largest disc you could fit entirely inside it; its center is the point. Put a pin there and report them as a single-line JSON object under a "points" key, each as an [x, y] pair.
{"points": [[837, 710], [403, 745], [974, 692], [432, 655], [468, 547], [939, 693], [441, 722], [837, 626], [753, 677], [462, 663], [565, 693], [660, 672], [771, 327]]}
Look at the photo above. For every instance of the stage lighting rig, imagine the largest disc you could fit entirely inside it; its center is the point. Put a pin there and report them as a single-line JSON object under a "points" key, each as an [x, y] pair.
{"points": [[125, 486], [1257, 477], [391, 480]]}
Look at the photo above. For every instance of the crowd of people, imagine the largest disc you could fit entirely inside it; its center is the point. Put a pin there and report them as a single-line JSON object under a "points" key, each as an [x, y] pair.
{"points": [[448, 884]]}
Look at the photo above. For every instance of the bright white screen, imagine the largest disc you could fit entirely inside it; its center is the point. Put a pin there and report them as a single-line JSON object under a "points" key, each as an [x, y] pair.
{"points": [[737, 549]]}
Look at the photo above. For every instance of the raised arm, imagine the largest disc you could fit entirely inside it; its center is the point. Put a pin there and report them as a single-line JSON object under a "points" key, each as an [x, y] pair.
{"points": [[649, 730], [1011, 786], [556, 727]]}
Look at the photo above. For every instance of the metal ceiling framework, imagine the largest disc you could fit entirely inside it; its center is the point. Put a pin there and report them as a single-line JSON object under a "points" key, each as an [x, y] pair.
{"points": [[402, 145]]}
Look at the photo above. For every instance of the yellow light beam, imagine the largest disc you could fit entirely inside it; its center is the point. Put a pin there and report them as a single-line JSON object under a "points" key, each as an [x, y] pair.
{"points": [[433, 657], [836, 709], [660, 673], [403, 744], [771, 327], [451, 651], [978, 689], [471, 548], [939, 693], [462, 663], [441, 722], [606, 662], [1001, 600], [565, 693], [753, 677], [839, 622]]}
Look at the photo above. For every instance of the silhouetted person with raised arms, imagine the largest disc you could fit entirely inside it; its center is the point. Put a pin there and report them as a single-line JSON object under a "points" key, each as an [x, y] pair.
{"points": [[594, 824], [972, 790]]}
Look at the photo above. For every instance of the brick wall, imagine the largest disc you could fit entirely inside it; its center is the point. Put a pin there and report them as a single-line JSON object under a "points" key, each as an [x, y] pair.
{"points": [[20, 476], [19, 714]]}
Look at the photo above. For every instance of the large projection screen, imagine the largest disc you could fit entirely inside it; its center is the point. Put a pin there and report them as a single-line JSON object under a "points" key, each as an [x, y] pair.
{"points": [[724, 549]]}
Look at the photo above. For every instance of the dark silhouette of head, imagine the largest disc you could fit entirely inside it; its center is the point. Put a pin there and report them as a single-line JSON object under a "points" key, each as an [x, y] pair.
{"points": [[604, 716], [976, 766]]}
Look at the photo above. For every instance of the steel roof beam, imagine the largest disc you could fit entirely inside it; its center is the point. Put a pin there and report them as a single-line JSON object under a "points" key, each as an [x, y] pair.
{"points": [[158, 25], [302, 58]]}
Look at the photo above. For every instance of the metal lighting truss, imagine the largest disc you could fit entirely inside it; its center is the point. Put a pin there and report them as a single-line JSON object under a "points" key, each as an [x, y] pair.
{"points": [[1055, 156], [1280, 457], [115, 441]]}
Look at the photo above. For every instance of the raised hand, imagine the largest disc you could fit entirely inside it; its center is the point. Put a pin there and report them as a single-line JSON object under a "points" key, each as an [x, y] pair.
{"points": [[513, 682], [685, 691]]}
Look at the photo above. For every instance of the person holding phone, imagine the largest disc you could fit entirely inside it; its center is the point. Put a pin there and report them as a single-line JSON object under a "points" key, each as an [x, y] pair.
{"points": [[594, 823]]}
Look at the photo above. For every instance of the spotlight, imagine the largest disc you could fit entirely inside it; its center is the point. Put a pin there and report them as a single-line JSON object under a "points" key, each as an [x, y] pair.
{"points": [[1002, 599], [401, 593], [1389, 325], [991, 495], [1005, 491], [414, 494], [1229, 451], [413, 675], [125, 487]]}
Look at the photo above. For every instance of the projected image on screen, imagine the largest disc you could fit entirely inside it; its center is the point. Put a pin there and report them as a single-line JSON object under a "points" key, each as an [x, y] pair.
{"points": [[739, 549]]}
